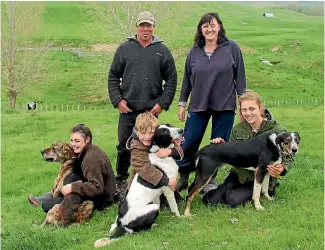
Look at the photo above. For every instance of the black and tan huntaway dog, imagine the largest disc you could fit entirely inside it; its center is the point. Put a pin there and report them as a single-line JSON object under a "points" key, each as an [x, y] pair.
{"points": [[71, 209], [257, 152]]}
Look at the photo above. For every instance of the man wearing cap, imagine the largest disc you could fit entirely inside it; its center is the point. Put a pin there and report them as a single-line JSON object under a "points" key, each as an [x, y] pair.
{"points": [[135, 85]]}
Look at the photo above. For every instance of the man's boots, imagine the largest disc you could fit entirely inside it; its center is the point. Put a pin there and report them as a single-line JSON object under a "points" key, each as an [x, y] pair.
{"points": [[121, 186]]}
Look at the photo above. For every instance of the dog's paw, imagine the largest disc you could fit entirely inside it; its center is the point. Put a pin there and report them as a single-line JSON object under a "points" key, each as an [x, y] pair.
{"points": [[187, 213], [181, 216], [176, 214], [102, 242], [259, 208]]}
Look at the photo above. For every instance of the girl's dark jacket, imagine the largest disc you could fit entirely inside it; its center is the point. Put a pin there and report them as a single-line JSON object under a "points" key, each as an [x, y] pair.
{"points": [[98, 181]]}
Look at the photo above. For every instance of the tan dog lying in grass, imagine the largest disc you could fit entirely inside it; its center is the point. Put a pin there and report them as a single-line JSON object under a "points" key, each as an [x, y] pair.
{"points": [[70, 210]]}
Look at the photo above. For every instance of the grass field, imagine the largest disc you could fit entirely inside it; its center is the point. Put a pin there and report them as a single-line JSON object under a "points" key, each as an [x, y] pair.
{"points": [[295, 220], [67, 78]]}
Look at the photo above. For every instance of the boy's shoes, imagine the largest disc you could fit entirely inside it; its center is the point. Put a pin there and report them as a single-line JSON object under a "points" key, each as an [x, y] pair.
{"points": [[183, 181]]}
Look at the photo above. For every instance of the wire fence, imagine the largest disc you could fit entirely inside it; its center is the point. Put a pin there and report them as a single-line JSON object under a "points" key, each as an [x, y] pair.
{"points": [[50, 107]]}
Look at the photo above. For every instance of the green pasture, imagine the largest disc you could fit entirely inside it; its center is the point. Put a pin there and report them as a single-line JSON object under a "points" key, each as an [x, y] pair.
{"points": [[294, 220], [70, 79]]}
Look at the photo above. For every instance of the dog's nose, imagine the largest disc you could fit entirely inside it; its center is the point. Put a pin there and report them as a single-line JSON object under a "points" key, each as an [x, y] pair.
{"points": [[42, 152], [294, 150], [181, 131]]}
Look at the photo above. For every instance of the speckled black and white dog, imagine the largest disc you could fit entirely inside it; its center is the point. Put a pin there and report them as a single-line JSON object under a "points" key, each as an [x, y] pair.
{"points": [[140, 208]]}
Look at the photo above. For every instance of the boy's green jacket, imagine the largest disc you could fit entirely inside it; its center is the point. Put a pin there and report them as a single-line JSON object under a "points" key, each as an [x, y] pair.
{"points": [[243, 131]]}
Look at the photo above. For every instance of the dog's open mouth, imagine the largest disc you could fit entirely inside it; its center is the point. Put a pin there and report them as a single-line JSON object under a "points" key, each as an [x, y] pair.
{"points": [[49, 159], [177, 141]]}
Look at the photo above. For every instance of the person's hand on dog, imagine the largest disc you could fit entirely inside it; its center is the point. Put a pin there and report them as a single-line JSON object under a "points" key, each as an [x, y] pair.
{"points": [[172, 183], [181, 113], [164, 152], [66, 189], [275, 170], [156, 110], [122, 107], [217, 140]]}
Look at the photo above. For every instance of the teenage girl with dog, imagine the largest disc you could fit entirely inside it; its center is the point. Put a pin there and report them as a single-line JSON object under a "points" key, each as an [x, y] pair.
{"points": [[92, 177], [237, 188]]}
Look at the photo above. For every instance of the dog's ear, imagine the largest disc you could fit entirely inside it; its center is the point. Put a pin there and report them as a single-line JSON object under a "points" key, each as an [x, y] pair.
{"points": [[279, 138], [162, 137]]}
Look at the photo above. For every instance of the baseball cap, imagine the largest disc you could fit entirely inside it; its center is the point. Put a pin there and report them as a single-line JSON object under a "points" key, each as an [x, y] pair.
{"points": [[145, 17]]}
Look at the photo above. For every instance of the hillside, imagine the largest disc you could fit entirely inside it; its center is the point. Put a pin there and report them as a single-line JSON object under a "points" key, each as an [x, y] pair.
{"points": [[293, 39]]}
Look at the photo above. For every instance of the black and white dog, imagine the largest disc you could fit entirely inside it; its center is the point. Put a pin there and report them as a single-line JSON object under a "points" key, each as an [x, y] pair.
{"points": [[140, 208], [31, 106], [257, 152]]}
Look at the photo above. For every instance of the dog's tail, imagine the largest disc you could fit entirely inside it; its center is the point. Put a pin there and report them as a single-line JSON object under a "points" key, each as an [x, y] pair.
{"points": [[119, 232]]}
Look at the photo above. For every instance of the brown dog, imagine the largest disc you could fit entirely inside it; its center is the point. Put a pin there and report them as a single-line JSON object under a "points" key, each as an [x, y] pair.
{"points": [[71, 209], [63, 153]]}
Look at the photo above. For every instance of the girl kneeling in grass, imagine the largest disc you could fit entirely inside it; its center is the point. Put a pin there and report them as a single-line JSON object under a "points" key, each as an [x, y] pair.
{"points": [[237, 188]]}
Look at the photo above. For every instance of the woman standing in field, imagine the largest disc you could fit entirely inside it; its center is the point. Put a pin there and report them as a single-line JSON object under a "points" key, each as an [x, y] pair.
{"points": [[214, 75], [237, 188]]}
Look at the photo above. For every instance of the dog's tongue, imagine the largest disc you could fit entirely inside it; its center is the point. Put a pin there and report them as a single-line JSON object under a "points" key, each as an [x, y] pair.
{"points": [[178, 141]]}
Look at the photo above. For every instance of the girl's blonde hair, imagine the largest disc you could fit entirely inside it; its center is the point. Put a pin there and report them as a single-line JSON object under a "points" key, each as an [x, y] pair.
{"points": [[250, 95], [146, 121]]}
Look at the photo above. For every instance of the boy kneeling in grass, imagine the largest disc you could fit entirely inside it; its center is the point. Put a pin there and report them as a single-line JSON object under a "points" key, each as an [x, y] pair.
{"points": [[139, 143]]}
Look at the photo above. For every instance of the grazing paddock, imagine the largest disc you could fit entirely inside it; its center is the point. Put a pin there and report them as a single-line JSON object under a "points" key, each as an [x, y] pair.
{"points": [[72, 89], [294, 220]]}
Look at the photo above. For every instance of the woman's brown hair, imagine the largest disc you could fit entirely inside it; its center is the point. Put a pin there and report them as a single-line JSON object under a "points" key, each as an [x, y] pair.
{"points": [[83, 130]]}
